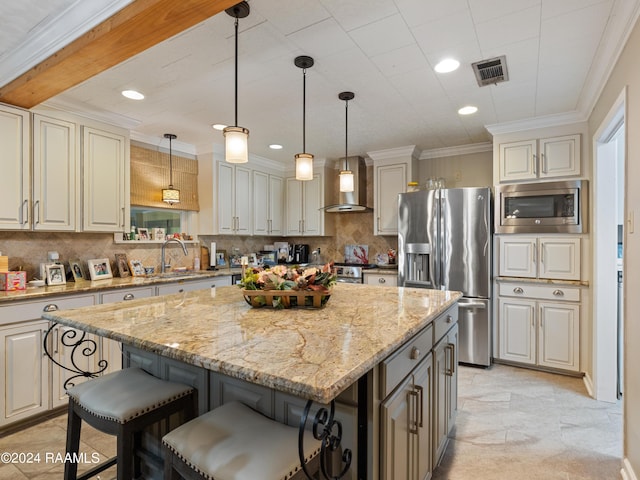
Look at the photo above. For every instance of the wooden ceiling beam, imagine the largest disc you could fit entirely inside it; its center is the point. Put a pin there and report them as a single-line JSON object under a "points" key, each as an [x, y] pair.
{"points": [[137, 27]]}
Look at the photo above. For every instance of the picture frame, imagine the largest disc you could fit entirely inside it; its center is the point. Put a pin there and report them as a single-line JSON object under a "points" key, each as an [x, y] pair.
{"points": [[235, 261], [221, 256], [76, 271], [99, 269], [158, 233], [136, 268], [55, 274], [123, 265], [143, 233]]}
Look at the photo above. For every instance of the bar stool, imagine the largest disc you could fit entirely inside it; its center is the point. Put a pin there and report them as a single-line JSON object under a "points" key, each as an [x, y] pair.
{"points": [[235, 442], [123, 403]]}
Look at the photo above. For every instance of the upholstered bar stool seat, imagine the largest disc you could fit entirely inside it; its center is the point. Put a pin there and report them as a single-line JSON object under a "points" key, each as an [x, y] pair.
{"points": [[234, 442], [123, 403]]}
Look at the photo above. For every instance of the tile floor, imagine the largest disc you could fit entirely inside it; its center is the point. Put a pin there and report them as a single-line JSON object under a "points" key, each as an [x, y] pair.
{"points": [[512, 423]]}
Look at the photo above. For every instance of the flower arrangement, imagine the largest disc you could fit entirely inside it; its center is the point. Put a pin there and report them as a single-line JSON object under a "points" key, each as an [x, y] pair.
{"points": [[284, 287]]}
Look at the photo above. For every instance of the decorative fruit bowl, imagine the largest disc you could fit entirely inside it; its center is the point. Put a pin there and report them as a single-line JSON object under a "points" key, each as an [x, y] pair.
{"points": [[288, 287]]}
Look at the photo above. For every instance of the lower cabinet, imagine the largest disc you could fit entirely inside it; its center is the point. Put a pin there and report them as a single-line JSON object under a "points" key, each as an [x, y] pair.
{"points": [[381, 279], [536, 329], [445, 391]]}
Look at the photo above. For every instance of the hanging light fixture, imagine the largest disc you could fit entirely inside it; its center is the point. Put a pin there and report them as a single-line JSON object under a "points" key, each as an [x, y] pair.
{"points": [[236, 139], [170, 195], [346, 175], [304, 161]]}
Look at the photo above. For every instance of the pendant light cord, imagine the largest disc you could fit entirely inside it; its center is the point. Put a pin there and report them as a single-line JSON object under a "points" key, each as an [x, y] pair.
{"points": [[236, 71], [170, 166], [304, 110], [346, 133]]}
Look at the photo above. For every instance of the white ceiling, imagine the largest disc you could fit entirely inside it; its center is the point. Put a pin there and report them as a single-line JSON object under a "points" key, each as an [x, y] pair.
{"points": [[559, 53]]}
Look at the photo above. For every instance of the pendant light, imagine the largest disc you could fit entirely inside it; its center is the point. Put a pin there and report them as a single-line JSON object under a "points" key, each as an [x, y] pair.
{"points": [[236, 139], [170, 195], [346, 175], [304, 161]]}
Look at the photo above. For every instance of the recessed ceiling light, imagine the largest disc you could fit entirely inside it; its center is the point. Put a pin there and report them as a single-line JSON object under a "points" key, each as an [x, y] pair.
{"points": [[218, 126], [447, 65], [468, 110], [275, 146], [132, 94]]}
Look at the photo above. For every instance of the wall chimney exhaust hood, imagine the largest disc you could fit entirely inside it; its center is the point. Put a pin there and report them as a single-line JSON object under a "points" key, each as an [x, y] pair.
{"points": [[355, 201]]}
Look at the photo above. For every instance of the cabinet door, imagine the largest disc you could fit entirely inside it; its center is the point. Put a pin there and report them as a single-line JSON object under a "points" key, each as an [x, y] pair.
{"points": [[56, 174], [518, 256], [452, 373], [559, 258], [422, 379], [440, 371], [518, 161], [312, 203], [225, 389], [276, 205], [242, 200], [226, 213], [397, 445], [15, 156], [559, 336], [25, 371], [294, 206], [517, 330], [106, 179], [390, 181], [560, 156], [260, 203]]}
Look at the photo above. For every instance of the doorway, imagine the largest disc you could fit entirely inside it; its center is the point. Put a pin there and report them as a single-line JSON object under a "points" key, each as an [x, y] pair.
{"points": [[608, 246]]}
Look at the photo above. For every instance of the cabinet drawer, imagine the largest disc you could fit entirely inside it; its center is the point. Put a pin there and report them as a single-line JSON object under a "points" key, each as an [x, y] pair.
{"points": [[122, 295], [398, 365], [545, 292], [444, 322], [33, 310], [381, 279]]}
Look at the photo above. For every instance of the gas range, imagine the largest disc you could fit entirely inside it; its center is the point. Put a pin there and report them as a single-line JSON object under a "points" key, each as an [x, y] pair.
{"points": [[351, 272]]}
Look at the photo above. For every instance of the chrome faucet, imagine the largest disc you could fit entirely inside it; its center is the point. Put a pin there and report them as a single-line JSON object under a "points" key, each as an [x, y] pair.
{"points": [[163, 265]]}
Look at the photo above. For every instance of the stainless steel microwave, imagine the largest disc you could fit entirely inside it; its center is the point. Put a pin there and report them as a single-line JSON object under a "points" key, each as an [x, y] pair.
{"points": [[543, 207]]}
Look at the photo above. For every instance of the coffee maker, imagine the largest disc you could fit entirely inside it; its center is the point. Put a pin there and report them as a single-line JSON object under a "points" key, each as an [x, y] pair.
{"points": [[300, 253]]}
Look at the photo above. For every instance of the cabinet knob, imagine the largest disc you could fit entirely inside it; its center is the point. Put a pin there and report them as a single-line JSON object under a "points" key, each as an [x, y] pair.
{"points": [[415, 353], [52, 307], [558, 293], [449, 319], [381, 280], [518, 290], [129, 296]]}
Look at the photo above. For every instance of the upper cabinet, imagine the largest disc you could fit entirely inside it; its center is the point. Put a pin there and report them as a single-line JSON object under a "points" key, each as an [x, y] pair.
{"points": [[234, 199], [15, 125], [304, 202], [392, 170], [540, 159], [48, 192], [268, 204]]}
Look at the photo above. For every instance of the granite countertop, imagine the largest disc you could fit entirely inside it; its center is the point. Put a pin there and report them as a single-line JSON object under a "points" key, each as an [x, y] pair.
{"points": [[311, 353], [69, 288], [382, 270]]}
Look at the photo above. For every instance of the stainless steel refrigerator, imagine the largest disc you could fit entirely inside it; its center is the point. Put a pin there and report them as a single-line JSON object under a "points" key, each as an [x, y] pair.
{"points": [[444, 242]]}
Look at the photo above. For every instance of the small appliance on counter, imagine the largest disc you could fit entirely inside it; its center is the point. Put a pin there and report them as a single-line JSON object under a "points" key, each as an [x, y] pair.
{"points": [[300, 253]]}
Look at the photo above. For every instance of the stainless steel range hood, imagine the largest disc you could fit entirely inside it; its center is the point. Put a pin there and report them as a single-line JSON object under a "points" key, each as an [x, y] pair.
{"points": [[355, 201]]}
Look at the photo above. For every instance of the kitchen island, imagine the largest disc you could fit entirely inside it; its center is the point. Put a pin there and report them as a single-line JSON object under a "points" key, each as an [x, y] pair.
{"points": [[379, 334]]}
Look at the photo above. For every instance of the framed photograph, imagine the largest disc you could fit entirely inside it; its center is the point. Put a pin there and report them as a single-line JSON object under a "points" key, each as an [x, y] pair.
{"points": [[158, 234], [136, 267], [76, 271], [55, 274], [235, 261], [221, 258], [123, 265], [99, 269], [143, 233]]}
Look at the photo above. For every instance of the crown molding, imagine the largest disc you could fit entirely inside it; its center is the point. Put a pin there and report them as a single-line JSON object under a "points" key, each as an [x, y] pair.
{"points": [[87, 111], [536, 122], [455, 151], [399, 152], [161, 144]]}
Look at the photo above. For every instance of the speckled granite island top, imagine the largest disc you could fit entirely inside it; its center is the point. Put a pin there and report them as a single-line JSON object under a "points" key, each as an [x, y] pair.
{"points": [[311, 353]]}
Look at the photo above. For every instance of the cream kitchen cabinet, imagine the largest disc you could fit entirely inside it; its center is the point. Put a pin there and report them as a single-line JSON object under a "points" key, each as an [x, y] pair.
{"points": [[268, 204], [105, 164], [56, 174], [389, 181], [182, 286], [539, 325], [304, 201], [15, 158], [383, 280], [234, 199], [540, 159], [556, 258], [31, 384]]}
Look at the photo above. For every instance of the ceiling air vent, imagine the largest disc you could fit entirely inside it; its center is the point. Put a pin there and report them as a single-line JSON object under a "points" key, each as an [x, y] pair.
{"points": [[491, 71]]}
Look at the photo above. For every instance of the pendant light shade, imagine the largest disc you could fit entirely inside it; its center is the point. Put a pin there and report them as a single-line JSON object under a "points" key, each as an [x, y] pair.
{"points": [[346, 175], [236, 139], [170, 195], [304, 161]]}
